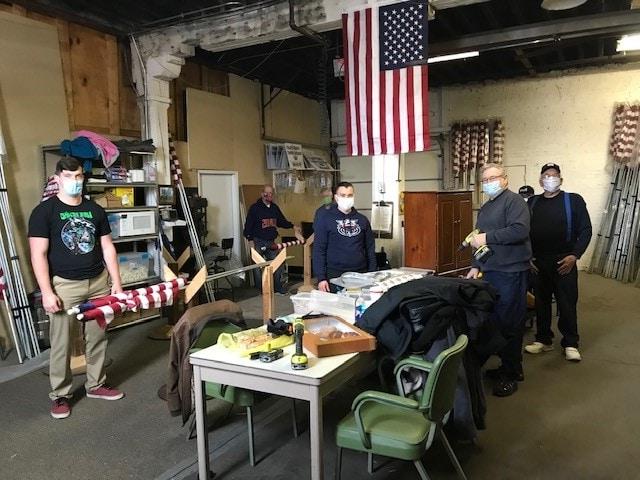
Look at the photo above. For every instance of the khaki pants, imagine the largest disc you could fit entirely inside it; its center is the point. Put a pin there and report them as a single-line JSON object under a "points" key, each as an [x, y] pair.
{"points": [[65, 329]]}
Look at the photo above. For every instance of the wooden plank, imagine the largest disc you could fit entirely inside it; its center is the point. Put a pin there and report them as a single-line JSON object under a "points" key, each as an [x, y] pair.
{"points": [[182, 259], [65, 57], [279, 260], [256, 257], [89, 74], [268, 300], [168, 274], [130, 123], [307, 249], [195, 284], [113, 83], [167, 256]]}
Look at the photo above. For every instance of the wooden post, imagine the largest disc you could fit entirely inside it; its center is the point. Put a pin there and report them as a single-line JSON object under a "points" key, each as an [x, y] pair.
{"points": [[307, 284], [268, 299]]}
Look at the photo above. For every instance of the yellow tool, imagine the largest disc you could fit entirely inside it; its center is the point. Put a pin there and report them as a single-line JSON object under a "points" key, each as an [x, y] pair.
{"points": [[482, 253], [299, 360]]}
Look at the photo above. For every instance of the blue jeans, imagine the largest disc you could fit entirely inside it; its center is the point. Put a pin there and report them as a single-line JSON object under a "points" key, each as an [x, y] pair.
{"points": [[509, 315], [267, 254]]}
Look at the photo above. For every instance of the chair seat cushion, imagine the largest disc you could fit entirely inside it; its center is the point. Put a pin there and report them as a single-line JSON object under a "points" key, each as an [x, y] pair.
{"points": [[394, 431]]}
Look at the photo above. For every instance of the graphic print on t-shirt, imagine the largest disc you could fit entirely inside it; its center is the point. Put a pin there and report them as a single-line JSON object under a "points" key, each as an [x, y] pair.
{"points": [[78, 234], [348, 227]]}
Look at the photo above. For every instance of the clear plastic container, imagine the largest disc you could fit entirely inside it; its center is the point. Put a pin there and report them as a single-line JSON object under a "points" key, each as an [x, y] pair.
{"points": [[135, 267], [301, 303], [114, 223]]}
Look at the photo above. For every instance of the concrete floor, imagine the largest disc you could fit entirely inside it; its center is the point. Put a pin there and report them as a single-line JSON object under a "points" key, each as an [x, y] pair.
{"points": [[566, 421]]}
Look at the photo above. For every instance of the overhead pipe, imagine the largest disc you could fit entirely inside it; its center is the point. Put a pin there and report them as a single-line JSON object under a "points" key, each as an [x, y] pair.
{"points": [[304, 30], [322, 74], [219, 11]]}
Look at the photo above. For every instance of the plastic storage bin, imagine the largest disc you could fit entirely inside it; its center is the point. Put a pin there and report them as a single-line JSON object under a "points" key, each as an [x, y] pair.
{"points": [[114, 223], [323, 302], [135, 267], [301, 303]]}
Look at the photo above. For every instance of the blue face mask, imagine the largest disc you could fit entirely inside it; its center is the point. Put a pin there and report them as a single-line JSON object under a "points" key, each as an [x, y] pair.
{"points": [[492, 188], [72, 188]]}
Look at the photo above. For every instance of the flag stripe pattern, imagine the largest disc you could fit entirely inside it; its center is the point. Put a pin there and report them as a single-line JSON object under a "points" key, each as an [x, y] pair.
{"points": [[386, 79]]}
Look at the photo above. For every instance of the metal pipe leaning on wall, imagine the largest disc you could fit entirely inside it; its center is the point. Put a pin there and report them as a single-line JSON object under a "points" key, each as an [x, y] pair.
{"points": [[617, 249]]}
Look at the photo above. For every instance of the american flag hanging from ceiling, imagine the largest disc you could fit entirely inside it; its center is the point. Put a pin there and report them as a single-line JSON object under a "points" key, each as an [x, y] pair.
{"points": [[386, 79]]}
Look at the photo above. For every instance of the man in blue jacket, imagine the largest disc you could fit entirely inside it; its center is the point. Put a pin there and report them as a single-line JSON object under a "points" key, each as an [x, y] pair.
{"points": [[261, 229], [504, 221], [344, 240]]}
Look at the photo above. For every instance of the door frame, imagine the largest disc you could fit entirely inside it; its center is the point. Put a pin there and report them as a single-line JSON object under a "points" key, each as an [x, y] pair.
{"points": [[235, 202]]}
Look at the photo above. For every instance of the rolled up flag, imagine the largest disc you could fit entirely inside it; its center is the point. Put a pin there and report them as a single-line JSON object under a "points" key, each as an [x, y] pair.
{"points": [[97, 302], [104, 315]]}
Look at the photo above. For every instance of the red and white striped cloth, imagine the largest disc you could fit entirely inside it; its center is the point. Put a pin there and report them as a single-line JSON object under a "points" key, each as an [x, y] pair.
{"points": [[387, 110], [3, 284], [280, 246], [174, 163], [170, 285]]}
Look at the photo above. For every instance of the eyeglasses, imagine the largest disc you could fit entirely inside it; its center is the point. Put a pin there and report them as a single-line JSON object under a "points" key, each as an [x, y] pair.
{"points": [[550, 175], [492, 179]]}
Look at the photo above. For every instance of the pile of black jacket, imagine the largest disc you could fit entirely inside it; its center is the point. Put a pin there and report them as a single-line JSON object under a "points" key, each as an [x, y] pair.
{"points": [[426, 315]]}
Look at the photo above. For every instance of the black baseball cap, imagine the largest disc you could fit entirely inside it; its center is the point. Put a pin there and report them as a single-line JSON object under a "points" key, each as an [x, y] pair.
{"points": [[547, 166], [526, 190]]}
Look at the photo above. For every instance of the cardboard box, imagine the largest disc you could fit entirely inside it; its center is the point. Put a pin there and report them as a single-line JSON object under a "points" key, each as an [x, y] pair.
{"points": [[124, 193], [327, 336], [107, 200]]}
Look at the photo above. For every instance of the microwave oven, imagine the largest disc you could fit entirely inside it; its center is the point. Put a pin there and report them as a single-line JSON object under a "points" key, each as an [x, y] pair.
{"points": [[132, 224]]}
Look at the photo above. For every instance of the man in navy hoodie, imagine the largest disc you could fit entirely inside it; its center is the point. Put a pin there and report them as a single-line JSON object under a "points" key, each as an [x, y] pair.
{"points": [[343, 241], [261, 229]]}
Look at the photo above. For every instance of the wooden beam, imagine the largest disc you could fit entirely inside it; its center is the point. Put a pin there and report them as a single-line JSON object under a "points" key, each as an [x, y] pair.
{"points": [[113, 84], [195, 284], [83, 17], [182, 259], [307, 284]]}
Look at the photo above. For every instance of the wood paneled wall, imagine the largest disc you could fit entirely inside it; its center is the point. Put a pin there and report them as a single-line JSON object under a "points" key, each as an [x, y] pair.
{"points": [[97, 79], [196, 76]]}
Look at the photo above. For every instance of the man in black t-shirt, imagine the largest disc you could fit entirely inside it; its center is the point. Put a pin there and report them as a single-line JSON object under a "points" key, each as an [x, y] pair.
{"points": [[70, 242], [560, 234]]}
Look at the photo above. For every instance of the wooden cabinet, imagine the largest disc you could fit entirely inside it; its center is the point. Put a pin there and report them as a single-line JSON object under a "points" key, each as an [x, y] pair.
{"points": [[434, 225]]}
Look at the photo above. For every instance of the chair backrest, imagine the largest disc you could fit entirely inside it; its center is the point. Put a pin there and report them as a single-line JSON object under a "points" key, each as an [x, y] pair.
{"points": [[438, 393], [226, 243], [210, 333]]}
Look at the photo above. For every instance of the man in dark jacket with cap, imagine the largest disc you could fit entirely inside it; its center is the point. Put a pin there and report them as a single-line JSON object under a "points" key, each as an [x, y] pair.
{"points": [[560, 234]]}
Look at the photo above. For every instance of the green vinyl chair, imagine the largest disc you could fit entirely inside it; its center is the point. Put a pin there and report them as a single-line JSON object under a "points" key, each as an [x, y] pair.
{"points": [[404, 428], [227, 393]]}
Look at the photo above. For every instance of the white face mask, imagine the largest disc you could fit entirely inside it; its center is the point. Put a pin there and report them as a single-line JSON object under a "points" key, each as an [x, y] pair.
{"points": [[345, 203], [551, 184], [492, 188]]}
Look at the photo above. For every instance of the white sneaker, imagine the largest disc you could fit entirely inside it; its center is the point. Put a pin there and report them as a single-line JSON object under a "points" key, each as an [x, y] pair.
{"points": [[538, 347], [572, 354]]}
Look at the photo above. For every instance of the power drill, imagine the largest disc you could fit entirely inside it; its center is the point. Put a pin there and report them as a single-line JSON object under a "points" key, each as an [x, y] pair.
{"points": [[482, 253], [299, 360]]}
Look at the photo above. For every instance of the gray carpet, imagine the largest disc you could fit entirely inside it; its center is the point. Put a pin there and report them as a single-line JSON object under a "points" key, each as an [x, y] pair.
{"points": [[566, 421]]}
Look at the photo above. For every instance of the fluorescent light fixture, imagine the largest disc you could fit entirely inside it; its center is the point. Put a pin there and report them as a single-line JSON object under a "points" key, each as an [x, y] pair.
{"points": [[454, 56], [628, 43]]}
